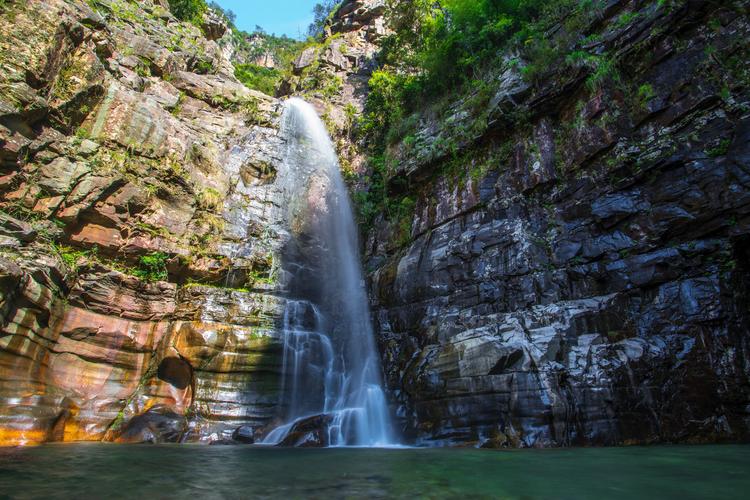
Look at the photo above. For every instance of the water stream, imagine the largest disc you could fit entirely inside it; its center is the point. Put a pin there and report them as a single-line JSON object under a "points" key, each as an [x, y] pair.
{"points": [[331, 366]]}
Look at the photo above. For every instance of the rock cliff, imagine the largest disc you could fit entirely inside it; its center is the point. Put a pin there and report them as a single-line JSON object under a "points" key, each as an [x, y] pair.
{"points": [[576, 268], [137, 175]]}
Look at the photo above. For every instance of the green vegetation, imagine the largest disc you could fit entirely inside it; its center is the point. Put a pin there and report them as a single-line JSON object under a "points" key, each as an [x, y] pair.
{"points": [[720, 149], [188, 10], [645, 94], [229, 16], [72, 256], [258, 77], [258, 277], [153, 267], [204, 67], [65, 86], [190, 283], [209, 199], [454, 46], [322, 13]]}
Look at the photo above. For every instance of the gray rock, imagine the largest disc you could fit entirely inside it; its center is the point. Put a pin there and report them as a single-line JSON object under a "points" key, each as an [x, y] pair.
{"points": [[244, 434], [59, 176], [305, 59], [16, 229]]}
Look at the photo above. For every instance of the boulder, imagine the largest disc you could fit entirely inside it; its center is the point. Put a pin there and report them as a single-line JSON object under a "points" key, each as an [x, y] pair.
{"points": [[305, 60], [213, 25], [310, 432], [157, 425], [244, 434]]}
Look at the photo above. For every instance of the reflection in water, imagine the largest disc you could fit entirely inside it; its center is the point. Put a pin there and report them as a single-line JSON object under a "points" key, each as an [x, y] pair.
{"points": [[164, 471]]}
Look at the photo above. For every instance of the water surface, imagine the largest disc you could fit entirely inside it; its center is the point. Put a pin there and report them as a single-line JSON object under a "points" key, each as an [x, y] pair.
{"points": [[179, 471]]}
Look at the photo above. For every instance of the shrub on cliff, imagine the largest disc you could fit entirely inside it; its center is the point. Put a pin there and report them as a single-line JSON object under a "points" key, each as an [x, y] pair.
{"points": [[322, 13], [258, 78], [449, 46], [152, 267], [188, 10]]}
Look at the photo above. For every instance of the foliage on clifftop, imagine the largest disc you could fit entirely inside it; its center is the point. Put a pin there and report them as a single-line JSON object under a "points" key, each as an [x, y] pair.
{"points": [[452, 51], [440, 50], [450, 46], [188, 10], [251, 48]]}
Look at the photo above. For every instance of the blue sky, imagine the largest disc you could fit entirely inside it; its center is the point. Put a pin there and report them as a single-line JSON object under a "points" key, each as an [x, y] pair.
{"points": [[282, 17]]}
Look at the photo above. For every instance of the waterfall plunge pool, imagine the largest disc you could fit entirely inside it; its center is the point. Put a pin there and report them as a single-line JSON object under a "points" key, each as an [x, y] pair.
{"points": [[99, 470]]}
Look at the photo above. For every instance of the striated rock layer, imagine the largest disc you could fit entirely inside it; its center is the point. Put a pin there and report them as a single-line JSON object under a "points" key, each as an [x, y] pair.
{"points": [[579, 276], [138, 230]]}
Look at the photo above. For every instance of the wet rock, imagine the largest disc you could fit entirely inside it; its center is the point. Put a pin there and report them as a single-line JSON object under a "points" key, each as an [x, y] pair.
{"points": [[244, 434], [175, 371], [222, 442], [584, 291], [117, 148], [119, 295], [157, 425], [311, 432], [613, 208]]}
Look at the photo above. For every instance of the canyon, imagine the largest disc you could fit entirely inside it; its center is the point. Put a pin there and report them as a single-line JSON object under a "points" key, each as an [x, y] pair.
{"points": [[573, 269]]}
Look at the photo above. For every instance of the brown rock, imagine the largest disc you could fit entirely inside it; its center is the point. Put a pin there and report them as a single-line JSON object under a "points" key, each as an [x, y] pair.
{"points": [[116, 294]]}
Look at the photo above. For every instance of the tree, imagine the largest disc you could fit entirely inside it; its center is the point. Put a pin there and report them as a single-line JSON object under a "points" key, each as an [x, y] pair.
{"points": [[227, 14], [321, 12], [188, 10]]}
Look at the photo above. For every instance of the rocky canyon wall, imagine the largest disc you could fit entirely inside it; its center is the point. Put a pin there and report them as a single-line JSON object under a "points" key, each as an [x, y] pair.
{"points": [[576, 268], [138, 230]]}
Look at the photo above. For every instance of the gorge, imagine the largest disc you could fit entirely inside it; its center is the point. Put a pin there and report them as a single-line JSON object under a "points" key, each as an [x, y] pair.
{"points": [[553, 254]]}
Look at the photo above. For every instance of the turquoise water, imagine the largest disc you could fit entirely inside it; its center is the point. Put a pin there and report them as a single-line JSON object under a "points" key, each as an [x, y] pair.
{"points": [[146, 471]]}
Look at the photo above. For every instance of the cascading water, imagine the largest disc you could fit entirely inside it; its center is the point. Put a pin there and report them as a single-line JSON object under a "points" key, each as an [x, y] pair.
{"points": [[331, 368]]}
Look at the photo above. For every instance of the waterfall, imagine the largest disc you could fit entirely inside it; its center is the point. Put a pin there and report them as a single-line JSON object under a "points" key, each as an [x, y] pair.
{"points": [[331, 368]]}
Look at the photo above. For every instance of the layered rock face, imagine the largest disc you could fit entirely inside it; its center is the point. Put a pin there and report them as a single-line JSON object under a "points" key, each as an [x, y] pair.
{"points": [[137, 175], [579, 275]]}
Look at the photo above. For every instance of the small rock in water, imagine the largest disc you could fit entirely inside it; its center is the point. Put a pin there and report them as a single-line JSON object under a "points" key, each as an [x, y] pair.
{"points": [[244, 434]]}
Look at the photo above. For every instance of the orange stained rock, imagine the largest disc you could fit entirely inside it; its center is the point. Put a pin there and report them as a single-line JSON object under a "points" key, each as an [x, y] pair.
{"points": [[16, 437], [93, 234]]}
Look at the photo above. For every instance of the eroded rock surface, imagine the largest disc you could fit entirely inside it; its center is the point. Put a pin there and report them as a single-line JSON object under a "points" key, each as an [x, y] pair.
{"points": [[137, 234], [582, 278]]}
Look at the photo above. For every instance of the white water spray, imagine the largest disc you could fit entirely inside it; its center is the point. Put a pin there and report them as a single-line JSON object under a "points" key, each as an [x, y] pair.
{"points": [[331, 366]]}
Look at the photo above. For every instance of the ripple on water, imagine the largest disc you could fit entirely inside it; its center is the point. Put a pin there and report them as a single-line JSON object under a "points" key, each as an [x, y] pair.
{"points": [[179, 471]]}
